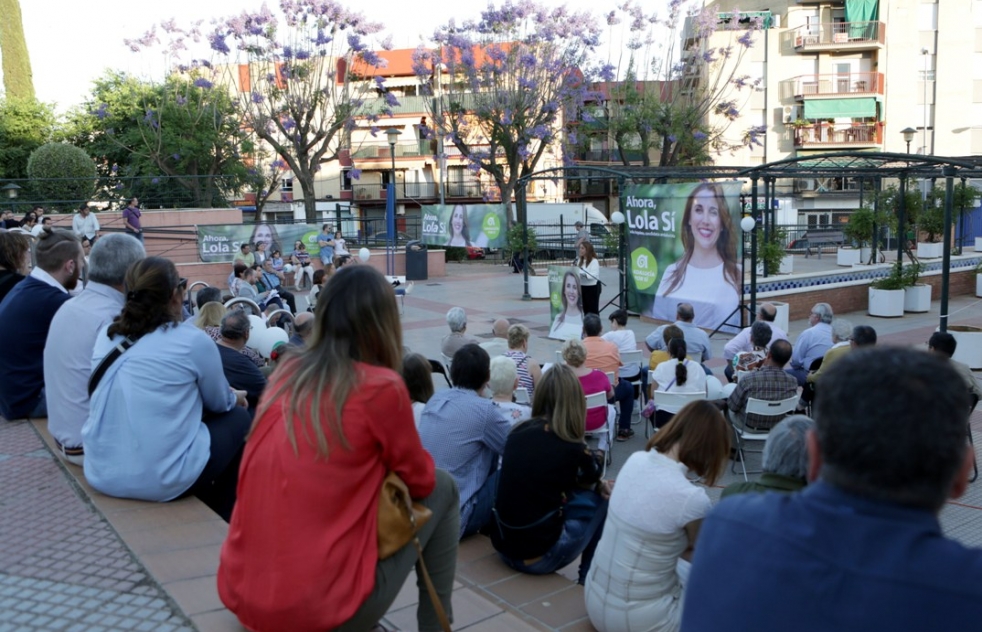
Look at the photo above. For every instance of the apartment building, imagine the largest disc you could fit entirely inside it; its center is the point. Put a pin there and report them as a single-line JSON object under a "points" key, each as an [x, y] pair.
{"points": [[843, 75]]}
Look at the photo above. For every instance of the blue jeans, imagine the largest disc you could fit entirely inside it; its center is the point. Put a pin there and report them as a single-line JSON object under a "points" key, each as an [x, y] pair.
{"points": [[481, 504], [799, 374], [41, 410], [585, 515], [624, 394]]}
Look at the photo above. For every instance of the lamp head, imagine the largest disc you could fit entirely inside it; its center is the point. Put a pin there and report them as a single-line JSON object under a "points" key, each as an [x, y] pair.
{"points": [[11, 190], [393, 135], [617, 217], [747, 224], [909, 133]]}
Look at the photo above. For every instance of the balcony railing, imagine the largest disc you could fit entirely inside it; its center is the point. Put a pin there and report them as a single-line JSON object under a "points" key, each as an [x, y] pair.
{"points": [[411, 149], [417, 191], [823, 134], [834, 35], [835, 84], [609, 155]]}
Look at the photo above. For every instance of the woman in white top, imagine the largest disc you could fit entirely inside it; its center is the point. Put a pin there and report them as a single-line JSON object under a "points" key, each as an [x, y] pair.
{"points": [[589, 269], [417, 373], [340, 246], [569, 321], [626, 342], [677, 375], [707, 275], [636, 581]]}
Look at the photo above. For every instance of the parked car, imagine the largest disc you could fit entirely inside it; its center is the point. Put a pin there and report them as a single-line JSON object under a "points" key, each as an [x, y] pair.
{"points": [[475, 252]]}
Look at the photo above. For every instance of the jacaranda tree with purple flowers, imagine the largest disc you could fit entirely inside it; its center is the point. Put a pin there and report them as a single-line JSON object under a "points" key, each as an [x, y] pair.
{"points": [[291, 76], [680, 107], [504, 84]]}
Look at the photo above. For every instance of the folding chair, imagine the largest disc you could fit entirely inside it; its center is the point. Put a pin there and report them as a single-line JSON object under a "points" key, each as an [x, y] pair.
{"points": [[598, 400], [188, 301], [251, 304], [559, 357], [437, 367], [522, 396], [671, 403], [630, 359], [763, 408]]}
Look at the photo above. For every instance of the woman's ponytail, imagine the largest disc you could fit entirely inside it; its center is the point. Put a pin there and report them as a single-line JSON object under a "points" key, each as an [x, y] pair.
{"points": [[676, 349]]}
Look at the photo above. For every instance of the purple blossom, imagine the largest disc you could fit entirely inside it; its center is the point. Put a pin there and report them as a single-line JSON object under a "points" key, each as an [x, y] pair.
{"points": [[391, 100], [155, 181], [278, 164], [322, 38], [181, 100], [217, 43], [747, 39], [176, 157], [672, 138], [612, 19], [303, 55], [115, 168], [288, 123], [699, 135], [201, 82], [354, 174], [256, 97], [373, 59], [287, 52], [101, 112]]}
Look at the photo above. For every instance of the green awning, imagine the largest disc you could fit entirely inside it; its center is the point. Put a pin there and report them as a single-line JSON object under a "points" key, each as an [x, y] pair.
{"points": [[862, 10], [864, 107]]}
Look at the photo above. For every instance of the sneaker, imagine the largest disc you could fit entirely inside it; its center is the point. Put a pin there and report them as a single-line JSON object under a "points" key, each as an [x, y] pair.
{"points": [[624, 435]]}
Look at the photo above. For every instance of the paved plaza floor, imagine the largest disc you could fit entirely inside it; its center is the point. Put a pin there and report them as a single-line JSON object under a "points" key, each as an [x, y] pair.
{"points": [[67, 563]]}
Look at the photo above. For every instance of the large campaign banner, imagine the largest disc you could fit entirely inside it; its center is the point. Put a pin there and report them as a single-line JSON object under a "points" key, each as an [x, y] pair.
{"points": [[462, 225], [565, 303], [219, 243], [684, 247]]}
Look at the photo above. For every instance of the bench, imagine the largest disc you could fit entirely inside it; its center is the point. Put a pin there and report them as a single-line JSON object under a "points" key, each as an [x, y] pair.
{"points": [[821, 238]]}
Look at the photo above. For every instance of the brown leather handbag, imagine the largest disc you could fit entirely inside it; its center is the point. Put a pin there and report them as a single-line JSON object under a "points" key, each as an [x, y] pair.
{"points": [[399, 520]]}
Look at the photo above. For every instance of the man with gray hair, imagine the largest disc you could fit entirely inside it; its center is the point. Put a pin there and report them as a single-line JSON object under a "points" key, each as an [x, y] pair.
{"points": [[68, 349], [812, 343], [766, 313], [845, 338], [498, 344], [457, 338], [785, 459], [241, 373]]}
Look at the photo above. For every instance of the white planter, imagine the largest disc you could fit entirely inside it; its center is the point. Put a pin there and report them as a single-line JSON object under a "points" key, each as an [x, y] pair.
{"points": [[787, 265], [978, 285], [783, 314], [886, 303], [917, 298], [539, 286], [930, 250], [978, 244], [969, 348], [847, 256], [865, 253]]}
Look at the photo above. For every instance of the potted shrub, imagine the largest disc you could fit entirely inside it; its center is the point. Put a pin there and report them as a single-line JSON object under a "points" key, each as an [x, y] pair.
{"points": [[917, 296], [538, 285], [772, 256], [931, 222], [886, 295], [968, 350], [860, 229]]}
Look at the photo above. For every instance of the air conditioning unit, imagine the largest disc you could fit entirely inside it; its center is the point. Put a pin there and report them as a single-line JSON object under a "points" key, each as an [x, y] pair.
{"points": [[806, 184], [791, 113]]}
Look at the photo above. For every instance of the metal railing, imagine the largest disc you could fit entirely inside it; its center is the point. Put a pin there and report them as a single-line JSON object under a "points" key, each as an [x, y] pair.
{"points": [[838, 34], [831, 84], [114, 192], [417, 190], [835, 134]]}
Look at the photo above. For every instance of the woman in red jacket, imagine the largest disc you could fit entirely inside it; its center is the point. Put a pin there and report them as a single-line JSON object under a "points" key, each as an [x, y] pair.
{"points": [[301, 552]]}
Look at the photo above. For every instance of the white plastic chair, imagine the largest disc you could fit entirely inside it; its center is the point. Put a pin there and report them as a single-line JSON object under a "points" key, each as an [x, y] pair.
{"points": [[764, 408], [251, 304], [606, 431], [671, 403], [632, 359], [522, 395]]}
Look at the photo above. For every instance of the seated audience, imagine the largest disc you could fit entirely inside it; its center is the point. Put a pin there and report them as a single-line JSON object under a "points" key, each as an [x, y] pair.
{"points": [[504, 381], [860, 336], [210, 316], [15, 260], [303, 328], [551, 502], [207, 295], [770, 382], [639, 571], [498, 344], [333, 422], [864, 536], [240, 372], [245, 255], [529, 371], [317, 285], [303, 269], [661, 355], [465, 433], [677, 375], [626, 341], [785, 459], [760, 341], [275, 280], [591, 381], [72, 337], [245, 287], [457, 338], [163, 421], [766, 314], [944, 344], [696, 339], [417, 373], [812, 343], [28, 310], [604, 355], [841, 344]]}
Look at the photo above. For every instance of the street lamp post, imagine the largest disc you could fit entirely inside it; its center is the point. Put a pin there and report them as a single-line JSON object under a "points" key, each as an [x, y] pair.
{"points": [[390, 207], [909, 133]]}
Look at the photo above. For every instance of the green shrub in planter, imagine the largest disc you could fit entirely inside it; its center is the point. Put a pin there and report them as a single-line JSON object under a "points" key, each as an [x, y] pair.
{"points": [[894, 281], [455, 253]]}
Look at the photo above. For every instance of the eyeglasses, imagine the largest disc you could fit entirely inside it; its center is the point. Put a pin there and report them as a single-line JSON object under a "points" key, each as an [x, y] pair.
{"points": [[182, 284]]}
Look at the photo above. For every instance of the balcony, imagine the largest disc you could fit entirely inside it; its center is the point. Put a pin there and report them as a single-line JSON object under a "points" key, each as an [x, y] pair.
{"points": [[830, 135], [858, 83], [838, 36], [404, 149], [610, 156], [429, 191]]}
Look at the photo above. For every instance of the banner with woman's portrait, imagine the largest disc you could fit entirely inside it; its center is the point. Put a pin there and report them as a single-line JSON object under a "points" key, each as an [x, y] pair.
{"points": [[219, 243], [565, 303], [461, 225], [684, 246]]}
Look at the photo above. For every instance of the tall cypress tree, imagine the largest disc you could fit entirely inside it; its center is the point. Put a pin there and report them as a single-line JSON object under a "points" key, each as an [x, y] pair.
{"points": [[18, 80]]}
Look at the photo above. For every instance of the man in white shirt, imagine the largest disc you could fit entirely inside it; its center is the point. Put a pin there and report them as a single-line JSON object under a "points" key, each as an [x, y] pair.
{"points": [[85, 224], [812, 343], [71, 338], [741, 342], [498, 345]]}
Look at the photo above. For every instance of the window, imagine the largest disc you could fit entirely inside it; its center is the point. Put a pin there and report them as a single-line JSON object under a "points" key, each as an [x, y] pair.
{"points": [[286, 185], [346, 179]]}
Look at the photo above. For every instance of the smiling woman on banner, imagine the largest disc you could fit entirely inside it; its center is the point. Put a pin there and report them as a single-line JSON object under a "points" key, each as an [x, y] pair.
{"points": [[459, 230], [707, 275], [569, 321]]}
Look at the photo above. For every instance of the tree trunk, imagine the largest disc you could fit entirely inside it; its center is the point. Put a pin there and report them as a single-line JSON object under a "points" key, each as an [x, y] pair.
{"points": [[309, 198], [18, 81]]}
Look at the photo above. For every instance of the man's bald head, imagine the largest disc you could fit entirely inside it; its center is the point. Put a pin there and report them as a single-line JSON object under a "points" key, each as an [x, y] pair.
{"points": [[303, 324], [500, 328], [768, 312]]}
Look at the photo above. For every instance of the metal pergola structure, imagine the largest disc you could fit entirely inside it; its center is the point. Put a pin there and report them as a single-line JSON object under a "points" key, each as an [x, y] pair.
{"points": [[871, 166]]}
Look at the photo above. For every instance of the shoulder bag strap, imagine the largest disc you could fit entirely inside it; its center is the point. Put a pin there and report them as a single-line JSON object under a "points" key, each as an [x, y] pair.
{"points": [[107, 362]]}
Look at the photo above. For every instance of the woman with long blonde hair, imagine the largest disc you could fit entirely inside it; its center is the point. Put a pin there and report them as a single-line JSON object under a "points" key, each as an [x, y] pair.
{"points": [[551, 502], [302, 552]]}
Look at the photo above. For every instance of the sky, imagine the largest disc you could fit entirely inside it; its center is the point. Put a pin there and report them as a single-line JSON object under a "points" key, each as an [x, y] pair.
{"points": [[72, 43]]}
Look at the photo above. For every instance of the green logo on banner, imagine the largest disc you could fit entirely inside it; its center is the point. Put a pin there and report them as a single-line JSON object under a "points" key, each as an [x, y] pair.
{"points": [[644, 269], [491, 226], [557, 300]]}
